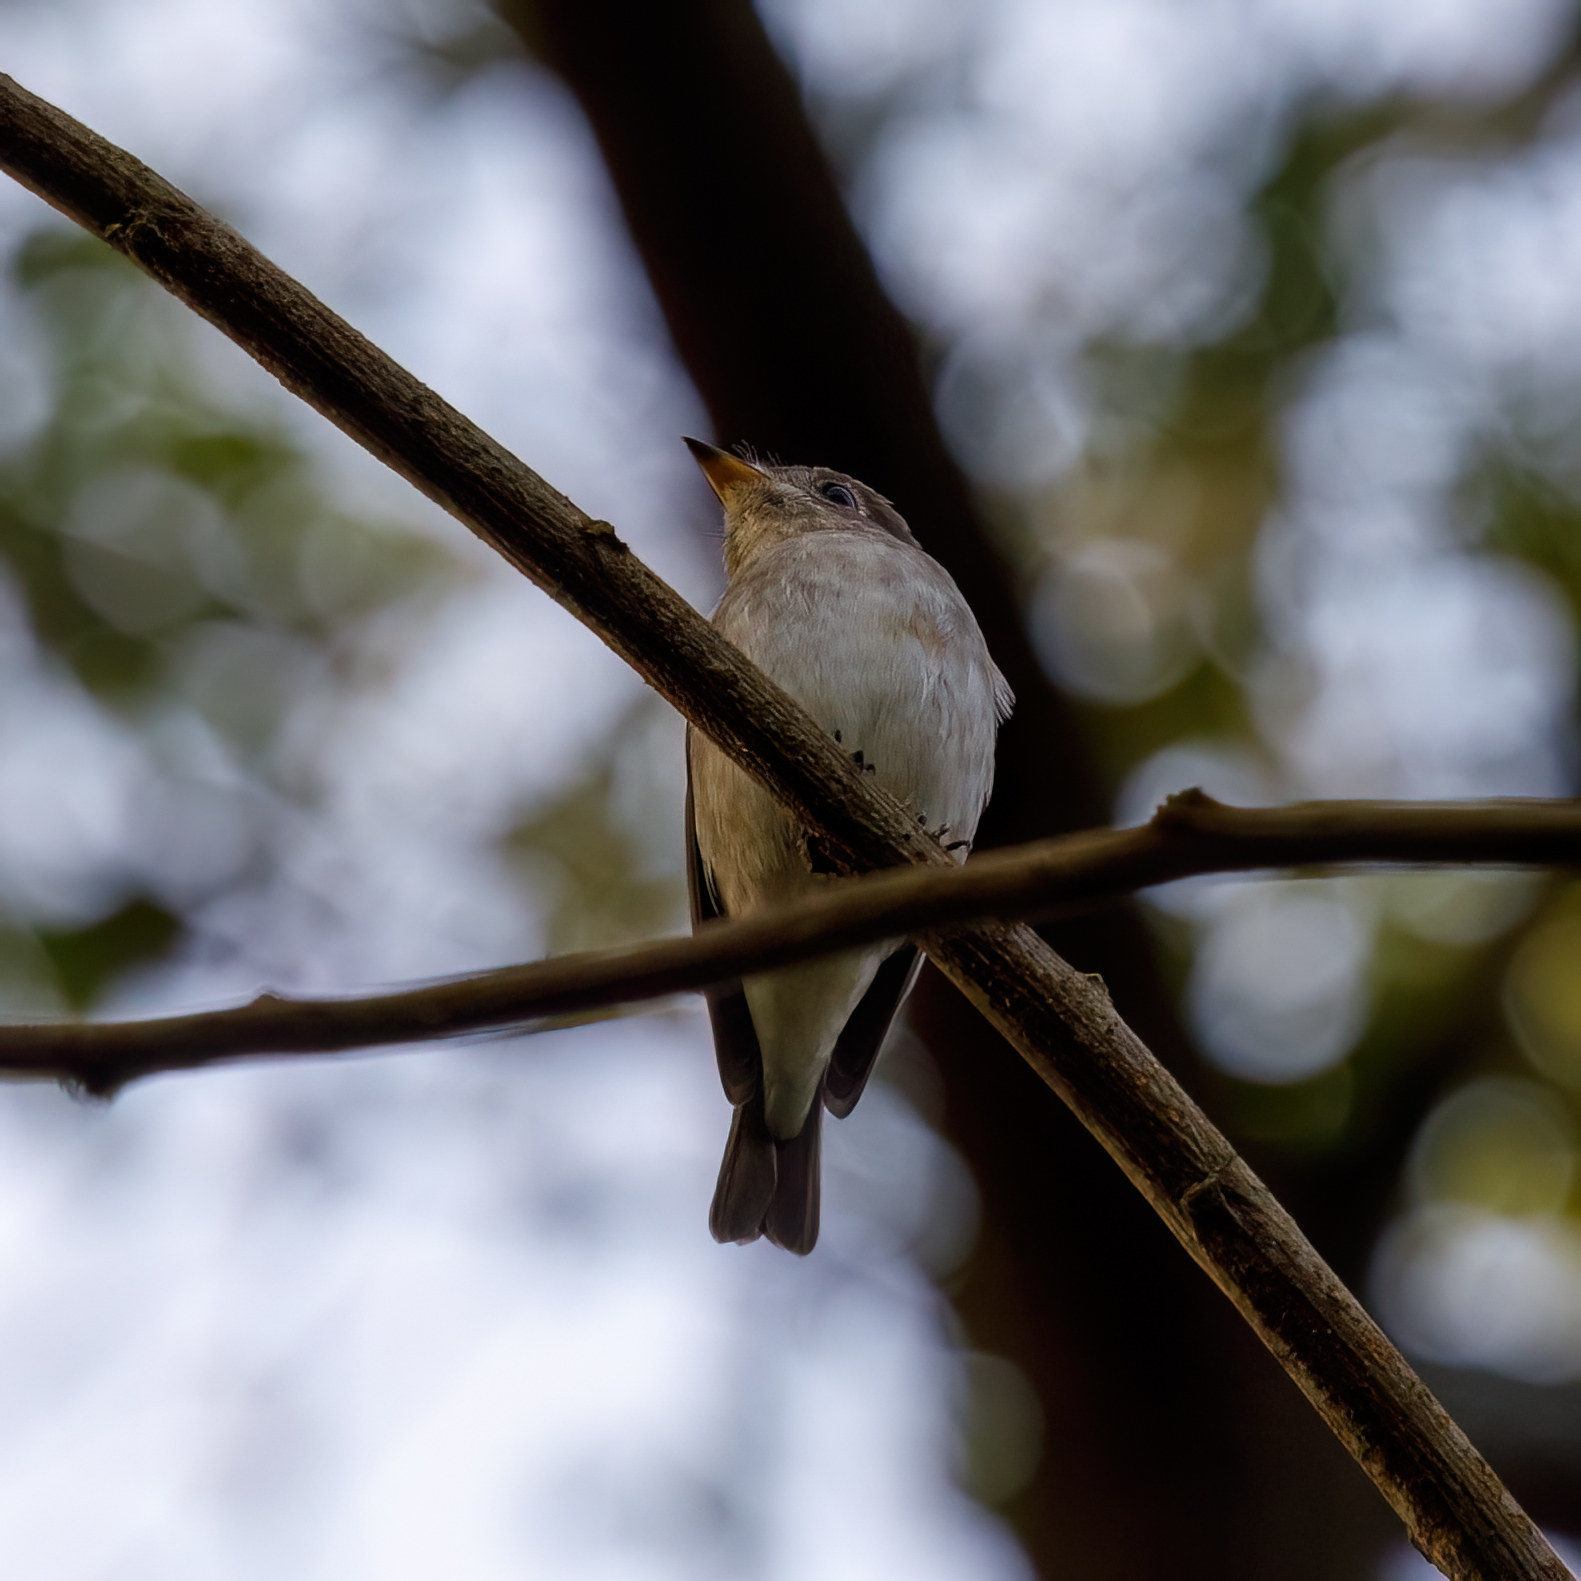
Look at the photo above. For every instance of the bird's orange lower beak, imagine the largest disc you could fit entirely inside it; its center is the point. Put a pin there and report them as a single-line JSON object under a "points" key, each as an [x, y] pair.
{"points": [[725, 473]]}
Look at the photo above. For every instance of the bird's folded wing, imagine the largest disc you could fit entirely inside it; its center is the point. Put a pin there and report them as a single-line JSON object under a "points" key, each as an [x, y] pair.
{"points": [[857, 1048], [735, 1038]]}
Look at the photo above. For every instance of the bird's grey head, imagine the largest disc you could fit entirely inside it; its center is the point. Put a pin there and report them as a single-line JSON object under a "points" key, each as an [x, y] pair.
{"points": [[764, 505]]}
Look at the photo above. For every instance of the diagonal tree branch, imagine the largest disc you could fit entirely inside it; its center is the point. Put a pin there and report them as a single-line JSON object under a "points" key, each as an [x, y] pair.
{"points": [[1190, 835], [1455, 1508]]}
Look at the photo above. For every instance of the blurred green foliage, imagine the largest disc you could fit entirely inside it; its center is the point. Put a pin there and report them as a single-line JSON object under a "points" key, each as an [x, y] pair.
{"points": [[85, 959], [1196, 478], [142, 508], [601, 886], [1192, 476], [181, 558], [177, 555], [1516, 510]]}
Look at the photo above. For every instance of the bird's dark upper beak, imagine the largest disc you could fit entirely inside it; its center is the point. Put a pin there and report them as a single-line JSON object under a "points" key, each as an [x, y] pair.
{"points": [[725, 473]]}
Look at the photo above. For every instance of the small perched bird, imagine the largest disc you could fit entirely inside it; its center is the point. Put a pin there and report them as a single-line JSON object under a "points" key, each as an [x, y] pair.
{"points": [[832, 597]]}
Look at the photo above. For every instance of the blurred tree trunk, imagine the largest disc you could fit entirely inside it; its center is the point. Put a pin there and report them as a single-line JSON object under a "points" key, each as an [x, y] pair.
{"points": [[1173, 1443]]}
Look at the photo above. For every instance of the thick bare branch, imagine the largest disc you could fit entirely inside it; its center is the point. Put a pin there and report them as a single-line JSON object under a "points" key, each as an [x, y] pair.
{"points": [[1455, 1508], [1190, 835]]}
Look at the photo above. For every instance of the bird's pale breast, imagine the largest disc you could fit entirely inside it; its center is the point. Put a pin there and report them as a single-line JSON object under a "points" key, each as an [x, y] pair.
{"points": [[874, 639]]}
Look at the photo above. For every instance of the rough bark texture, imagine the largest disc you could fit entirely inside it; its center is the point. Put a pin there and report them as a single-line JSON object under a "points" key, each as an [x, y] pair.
{"points": [[1455, 1508]]}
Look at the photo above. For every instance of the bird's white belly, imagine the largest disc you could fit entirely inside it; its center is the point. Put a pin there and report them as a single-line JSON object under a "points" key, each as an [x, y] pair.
{"points": [[875, 641]]}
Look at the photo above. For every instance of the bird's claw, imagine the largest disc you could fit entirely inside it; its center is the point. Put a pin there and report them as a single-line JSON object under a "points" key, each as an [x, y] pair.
{"points": [[817, 854], [949, 845]]}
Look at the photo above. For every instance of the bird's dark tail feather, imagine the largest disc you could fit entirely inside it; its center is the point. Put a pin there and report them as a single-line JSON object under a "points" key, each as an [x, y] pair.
{"points": [[792, 1219], [746, 1177], [769, 1187]]}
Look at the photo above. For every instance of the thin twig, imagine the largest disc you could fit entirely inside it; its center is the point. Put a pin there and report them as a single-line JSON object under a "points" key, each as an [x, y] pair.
{"points": [[1190, 835], [1455, 1508]]}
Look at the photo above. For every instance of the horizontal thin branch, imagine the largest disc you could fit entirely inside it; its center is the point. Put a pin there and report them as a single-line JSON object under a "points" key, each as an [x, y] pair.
{"points": [[1190, 835], [1456, 1509]]}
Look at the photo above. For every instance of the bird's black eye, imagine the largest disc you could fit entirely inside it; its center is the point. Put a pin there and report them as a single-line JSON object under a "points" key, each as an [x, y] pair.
{"points": [[838, 494]]}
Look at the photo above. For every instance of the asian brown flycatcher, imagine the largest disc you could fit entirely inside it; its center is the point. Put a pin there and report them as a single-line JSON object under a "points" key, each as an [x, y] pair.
{"points": [[831, 596]]}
